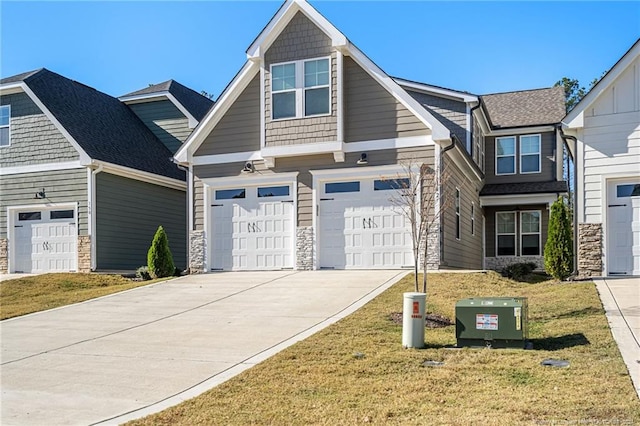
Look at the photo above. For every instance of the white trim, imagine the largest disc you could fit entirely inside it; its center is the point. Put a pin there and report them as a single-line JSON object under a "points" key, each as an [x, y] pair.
{"points": [[539, 154], [250, 180], [454, 94], [394, 143], [192, 120], [340, 95], [516, 131], [302, 149], [468, 127], [263, 119], [35, 168], [92, 199], [190, 193], [233, 157], [515, 154], [159, 96], [136, 174], [523, 199], [11, 88]]}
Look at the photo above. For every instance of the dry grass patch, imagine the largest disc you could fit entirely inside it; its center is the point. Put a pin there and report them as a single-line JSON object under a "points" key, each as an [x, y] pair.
{"points": [[40, 292], [320, 381]]}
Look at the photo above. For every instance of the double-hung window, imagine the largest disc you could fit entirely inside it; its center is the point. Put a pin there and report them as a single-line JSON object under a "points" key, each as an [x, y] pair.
{"points": [[530, 233], [506, 155], [530, 154], [5, 120], [301, 89], [506, 233]]}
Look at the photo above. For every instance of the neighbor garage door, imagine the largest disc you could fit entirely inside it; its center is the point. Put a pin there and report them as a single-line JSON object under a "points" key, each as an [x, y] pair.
{"points": [[252, 228], [623, 227], [45, 240], [360, 227]]}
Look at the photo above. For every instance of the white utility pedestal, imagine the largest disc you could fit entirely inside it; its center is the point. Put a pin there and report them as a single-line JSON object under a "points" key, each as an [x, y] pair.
{"points": [[413, 320]]}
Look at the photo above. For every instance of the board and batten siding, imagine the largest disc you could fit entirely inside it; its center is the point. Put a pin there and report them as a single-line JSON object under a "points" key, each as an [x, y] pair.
{"points": [[128, 213], [34, 138], [610, 140], [61, 186], [490, 217], [371, 112], [300, 40], [305, 180], [239, 129], [465, 252], [165, 120]]}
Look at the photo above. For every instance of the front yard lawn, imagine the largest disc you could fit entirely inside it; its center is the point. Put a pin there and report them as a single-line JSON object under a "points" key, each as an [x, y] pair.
{"points": [[26, 295], [356, 371]]}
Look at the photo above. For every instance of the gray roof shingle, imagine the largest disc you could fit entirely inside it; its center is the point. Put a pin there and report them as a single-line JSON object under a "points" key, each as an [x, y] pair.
{"points": [[525, 108], [194, 102], [105, 128], [553, 187]]}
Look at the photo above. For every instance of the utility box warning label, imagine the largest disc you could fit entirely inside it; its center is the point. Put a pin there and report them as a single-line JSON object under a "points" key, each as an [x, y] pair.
{"points": [[486, 322]]}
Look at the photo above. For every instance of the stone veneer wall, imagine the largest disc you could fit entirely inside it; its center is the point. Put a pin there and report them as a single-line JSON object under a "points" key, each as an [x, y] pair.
{"points": [[498, 263], [589, 249], [84, 253], [304, 248], [4, 256], [196, 252]]}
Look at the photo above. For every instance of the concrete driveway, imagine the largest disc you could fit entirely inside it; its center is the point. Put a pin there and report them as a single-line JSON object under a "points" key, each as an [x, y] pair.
{"points": [[130, 354]]}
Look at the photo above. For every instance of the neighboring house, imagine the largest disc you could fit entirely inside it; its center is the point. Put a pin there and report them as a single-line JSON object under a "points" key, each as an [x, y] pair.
{"points": [[606, 128], [291, 167], [84, 183]]}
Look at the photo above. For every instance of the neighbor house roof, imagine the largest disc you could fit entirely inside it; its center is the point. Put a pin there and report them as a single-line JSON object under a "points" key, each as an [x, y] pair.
{"points": [[525, 108], [195, 103], [105, 128], [524, 188]]}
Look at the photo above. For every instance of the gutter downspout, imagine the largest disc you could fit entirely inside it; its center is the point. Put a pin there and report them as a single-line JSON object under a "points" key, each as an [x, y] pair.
{"points": [[440, 171], [575, 198], [94, 260]]}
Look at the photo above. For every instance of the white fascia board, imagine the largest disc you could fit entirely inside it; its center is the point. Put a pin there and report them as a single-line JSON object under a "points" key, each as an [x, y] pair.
{"points": [[160, 96], [237, 86], [484, 123], [140, 175], [11, 88], [395, 143], [573, 119], [192, 120], [233, 157], [521, 131], [250, 179], [438, 131], [465, 163], [84, 157], [452, 94], [35, 168], [303, 149], [523, 199]]}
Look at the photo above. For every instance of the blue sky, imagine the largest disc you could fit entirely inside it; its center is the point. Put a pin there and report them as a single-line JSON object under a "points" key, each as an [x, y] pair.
{"points": [[480, 47]]}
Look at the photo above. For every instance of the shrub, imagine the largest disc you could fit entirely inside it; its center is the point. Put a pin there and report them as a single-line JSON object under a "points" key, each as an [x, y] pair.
{"points": [[518, 271], [558, 251], [159, 258], [143, 273]]}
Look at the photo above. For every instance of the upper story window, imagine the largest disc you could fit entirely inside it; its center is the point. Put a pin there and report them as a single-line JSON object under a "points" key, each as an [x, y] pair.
{"points": [[300, 89], [530, 154], [506, 155], [5, 120]]}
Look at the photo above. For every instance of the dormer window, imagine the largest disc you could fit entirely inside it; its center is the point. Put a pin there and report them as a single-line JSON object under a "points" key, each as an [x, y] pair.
{"points": [[300, 89], [5, 120]]}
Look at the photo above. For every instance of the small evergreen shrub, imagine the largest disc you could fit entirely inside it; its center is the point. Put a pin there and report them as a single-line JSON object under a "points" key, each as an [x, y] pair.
{"points": [[159, 258], [558, 251], [143, 273], [518, 271]]}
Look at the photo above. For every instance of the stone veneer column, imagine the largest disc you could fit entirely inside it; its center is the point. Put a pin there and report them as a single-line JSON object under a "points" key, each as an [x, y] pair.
{"points": [[84, 253], [196, 252], [304, 248], [589, 249], [4, 256]]}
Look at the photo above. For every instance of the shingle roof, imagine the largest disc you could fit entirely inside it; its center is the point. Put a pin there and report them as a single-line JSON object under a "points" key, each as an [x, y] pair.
{"points": [[19, 77], [105, 128], [552, 187], [525, 108], [194, 102]]}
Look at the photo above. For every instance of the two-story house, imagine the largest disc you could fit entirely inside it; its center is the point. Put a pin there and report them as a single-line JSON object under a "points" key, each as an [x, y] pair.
{"points": [[291, 167], [84, 183]]}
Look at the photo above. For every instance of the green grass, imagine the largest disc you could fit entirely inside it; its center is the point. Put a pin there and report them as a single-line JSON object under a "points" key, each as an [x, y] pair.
{"points": [[40, 292], [320, 381]]}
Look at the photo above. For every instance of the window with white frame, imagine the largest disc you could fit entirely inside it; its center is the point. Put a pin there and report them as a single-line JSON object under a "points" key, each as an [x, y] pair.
{"points": [[530, 154], [5, 124], [506, 233], [530, 233], [301, 89], [473, 218], [506, 155], [457, 214]]}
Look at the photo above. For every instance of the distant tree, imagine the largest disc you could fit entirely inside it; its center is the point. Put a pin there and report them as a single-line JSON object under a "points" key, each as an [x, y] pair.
{"points": [[159, 258], [558, 250], [573, 91], [206, 94]]}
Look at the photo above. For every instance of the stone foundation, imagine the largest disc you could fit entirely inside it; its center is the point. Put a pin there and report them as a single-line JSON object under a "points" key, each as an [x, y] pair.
{"points": [[84, 253], [304, 248], [589, 250], [196, 252], [499, 263], [4, 256]]}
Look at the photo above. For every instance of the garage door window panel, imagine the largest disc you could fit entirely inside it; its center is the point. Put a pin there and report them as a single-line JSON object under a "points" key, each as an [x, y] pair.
{"points": [[273, 191], [339, 187], [62, 214], [229, 194], [29, 216], [391, 184], [629, 190]]}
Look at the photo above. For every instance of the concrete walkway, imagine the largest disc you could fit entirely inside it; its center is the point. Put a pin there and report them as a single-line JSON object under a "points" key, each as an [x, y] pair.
{"points": [[621, 300], [130, 354]]}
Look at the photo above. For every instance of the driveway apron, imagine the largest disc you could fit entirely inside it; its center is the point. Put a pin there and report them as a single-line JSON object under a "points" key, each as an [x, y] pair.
{"points": [[130, 354]]}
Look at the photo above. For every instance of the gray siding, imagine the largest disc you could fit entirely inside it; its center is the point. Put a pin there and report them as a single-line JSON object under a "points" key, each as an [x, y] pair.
{"points": [[62, 186], [239, 129], [128, 213], [301, 39], [34, 138], [490, 217], [305, 179], [467, 251], [371, 112], [165, 121], [548, 164], [450, 112]]}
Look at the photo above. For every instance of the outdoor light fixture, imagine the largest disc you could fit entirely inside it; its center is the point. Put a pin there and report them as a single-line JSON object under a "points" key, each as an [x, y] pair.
{"points": [[363, 159], [40, 195], [248, 167]]}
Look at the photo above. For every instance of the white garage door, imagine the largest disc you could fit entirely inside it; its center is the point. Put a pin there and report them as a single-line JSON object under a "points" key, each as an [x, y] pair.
{"points": [[360, 228], [623, 227], [45, 241], [252, 228]]}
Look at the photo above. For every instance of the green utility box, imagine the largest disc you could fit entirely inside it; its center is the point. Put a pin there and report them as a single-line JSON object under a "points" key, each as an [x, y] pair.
{"points": [[498, 322]]}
